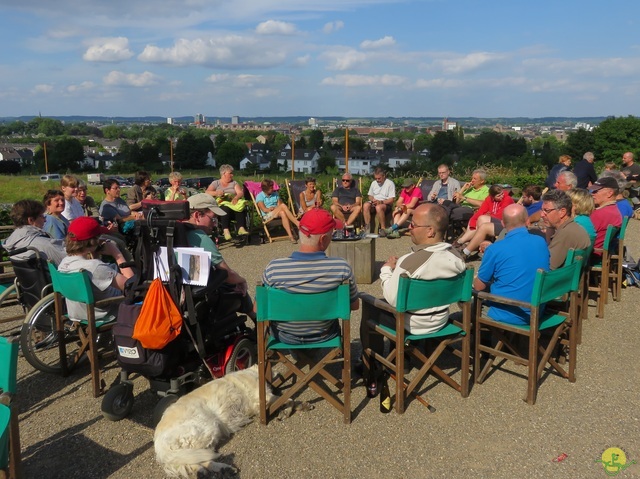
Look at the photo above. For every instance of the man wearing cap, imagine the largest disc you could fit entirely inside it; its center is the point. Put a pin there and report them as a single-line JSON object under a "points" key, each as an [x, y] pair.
{"points": [[203, 210], [310, 270], [430, 258], [84, 248], [346, 200], [409, 198], [382, 194], [604, 192]]}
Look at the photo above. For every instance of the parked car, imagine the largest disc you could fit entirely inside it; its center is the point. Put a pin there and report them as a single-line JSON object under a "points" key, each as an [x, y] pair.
{"points": [[200, 183], [122, 181], [163, 182], [50, 177]]}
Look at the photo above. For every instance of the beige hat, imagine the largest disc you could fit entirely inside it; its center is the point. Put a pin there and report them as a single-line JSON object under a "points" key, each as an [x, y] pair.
{"points": [[202, 201]]}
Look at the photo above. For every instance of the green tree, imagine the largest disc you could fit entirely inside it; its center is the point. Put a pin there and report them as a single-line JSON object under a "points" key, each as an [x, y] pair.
{"points": [[422, 142], [301, 143], [47, 126], [388, 145], [444, 147], [231, 153], [66, 155], [578, 143], [316, 139], [191, 153], [400, 146], [615, 136], [326, 162]]}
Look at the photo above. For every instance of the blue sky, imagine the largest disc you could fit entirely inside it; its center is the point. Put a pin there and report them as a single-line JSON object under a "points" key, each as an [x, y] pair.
{"points": [[319, 58]]}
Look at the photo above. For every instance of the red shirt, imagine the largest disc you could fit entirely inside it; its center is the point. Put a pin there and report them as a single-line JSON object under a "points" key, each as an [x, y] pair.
{"points": [[492, 207]]}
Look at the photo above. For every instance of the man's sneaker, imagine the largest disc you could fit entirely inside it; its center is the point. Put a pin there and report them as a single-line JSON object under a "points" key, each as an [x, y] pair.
{"points": [[366, 229], [394, 234], [227, 236], [242, 231], [382, 233]]}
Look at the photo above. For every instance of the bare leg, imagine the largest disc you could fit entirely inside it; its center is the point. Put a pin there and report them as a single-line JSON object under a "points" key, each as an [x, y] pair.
{"points": [[484, 232], [381, 211], [282, 208], [337, 212], [286, 225], [355, 211], [367, 213], [399, 218]]}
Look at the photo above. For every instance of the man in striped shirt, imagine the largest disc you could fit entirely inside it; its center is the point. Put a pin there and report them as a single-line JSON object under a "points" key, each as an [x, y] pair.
{"points": [[309, 270]]}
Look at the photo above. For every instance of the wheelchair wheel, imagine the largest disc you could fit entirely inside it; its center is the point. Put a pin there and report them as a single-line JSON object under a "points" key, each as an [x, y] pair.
{"points": [[162, 406], [117, 402], [242, 357], [39, 340]]}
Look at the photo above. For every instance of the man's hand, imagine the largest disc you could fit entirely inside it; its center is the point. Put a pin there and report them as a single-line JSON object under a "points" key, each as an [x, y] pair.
{"points": [[391, 262]]}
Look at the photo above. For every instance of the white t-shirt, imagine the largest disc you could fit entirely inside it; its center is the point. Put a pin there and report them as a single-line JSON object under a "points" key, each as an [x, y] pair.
{"points": [[101, 275], [382, 192], [72, 209]]}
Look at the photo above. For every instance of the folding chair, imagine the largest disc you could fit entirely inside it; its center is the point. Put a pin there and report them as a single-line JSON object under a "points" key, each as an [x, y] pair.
{"points": [[274, 305], [555, 325], [600, 271], [425, 186], [583, 257], [77, 287], [359, 221], [617, 258], [252, 189], [294, 188], [414, 295], [9, 427]]}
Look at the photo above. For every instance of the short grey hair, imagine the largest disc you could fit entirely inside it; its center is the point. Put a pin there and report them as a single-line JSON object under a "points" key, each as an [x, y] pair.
{"points": [[588, 156], [569, 178], [225, 168], [560, 199], [618, 176], [481, 173]]}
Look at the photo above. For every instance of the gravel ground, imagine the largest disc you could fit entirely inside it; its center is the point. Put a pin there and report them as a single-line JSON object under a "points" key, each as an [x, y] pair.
{"points": [[492, 433]]}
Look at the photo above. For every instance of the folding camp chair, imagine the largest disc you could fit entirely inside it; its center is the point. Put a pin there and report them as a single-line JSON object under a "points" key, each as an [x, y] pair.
{"points": [[77, 287], [9, 427], [252, 189], [294, 188], [600, 270], [414, 295], [558, 327], [274, 305]]}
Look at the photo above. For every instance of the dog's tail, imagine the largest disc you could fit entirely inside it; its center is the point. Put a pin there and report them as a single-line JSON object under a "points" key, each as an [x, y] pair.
{"points": [[184, 462]]}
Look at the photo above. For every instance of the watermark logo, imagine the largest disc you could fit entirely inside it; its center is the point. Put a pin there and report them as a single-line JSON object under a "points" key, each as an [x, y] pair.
{"points": [[614, 461]]}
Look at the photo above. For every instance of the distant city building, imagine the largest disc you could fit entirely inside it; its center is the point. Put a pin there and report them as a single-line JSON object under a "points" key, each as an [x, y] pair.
{"points": [[235, 120], [448, 125], [170, 121], [199, 119], [313, 122]]}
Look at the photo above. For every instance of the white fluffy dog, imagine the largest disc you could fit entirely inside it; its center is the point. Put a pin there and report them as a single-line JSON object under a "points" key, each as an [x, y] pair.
{"points": [[191, 428]]}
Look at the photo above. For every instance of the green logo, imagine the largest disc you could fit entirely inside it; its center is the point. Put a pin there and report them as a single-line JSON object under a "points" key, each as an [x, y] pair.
{"points": [[614, 461]]}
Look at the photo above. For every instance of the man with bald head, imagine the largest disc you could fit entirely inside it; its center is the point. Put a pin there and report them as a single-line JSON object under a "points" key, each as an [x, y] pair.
{"points": [[430, 258], [630, 169], [509, 266]]}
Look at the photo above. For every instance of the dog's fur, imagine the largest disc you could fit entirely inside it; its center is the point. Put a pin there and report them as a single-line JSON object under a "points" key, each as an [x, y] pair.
{"points": [[191, 428]]}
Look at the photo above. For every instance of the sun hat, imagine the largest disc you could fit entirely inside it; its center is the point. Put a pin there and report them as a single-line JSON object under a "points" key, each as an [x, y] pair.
{"points": [[203, 201]]}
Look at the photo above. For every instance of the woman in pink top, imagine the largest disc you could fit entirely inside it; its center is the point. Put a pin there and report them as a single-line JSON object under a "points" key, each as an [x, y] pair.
{"points": [[410, 197]]}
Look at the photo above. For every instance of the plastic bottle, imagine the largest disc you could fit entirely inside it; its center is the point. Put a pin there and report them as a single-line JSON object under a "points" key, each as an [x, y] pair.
{"points": [[372, 379]]}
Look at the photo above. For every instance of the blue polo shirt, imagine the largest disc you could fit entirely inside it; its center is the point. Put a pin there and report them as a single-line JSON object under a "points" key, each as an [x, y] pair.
{"points": [[534, 208], [510, 266]]}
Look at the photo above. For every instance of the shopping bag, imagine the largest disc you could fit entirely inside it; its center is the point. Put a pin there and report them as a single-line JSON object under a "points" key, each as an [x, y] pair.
{"points": [[160, 320]]}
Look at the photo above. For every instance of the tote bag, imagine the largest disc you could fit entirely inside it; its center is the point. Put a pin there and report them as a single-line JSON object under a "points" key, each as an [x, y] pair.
{"points": [[160, 320]]}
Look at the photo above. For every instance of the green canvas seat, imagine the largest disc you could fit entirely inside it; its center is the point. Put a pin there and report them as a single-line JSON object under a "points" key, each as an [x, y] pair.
{"points": [[600, 270], [415, 295], [274, 305], [557, 327], [77, 287], [10, 459], [617, 258]]}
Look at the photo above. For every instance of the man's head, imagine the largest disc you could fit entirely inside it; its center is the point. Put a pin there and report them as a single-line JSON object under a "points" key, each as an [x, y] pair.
{"points": [[379, 175], [618, 176], [346, 180], [514, 216], [478, 178], [408, 185], [443, 172], [203, 209], [429, 224], [604, 190], [531, 194], [556, 208], [142, 178], [316, 230], [111, 189], [566, 181], [589, 157], [628, 158]]}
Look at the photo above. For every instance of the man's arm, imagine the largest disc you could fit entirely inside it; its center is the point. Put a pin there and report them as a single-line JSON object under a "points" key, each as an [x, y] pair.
{"points": [[479, 285]]}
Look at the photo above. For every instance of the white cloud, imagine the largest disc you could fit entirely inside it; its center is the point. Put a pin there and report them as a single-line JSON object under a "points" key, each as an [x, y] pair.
{"points": [[108, 50], [236, 81], [43, 88], [116, 78], [469, 62], [364, 80], [230, 51], [302, 61], [383, 42], [275, 27], [331, 27], [84, 86], [344, 59]]}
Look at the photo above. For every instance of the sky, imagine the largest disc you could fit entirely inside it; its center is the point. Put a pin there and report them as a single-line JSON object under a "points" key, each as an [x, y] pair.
{"points": [[354, 58]]}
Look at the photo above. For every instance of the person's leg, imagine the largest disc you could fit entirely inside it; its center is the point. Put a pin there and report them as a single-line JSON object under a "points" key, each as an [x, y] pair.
{"points": [[484, 232], [285, 223], [337, 212], [225, 220], [241, 221], [466, 237], [381, 213], [372, 340], [367, 215], [355, 211]]}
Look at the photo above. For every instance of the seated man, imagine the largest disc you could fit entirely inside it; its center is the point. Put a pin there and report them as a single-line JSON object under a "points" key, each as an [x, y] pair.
{"points": [[28, 218], [203, 210], [431, 258], [346, 200], [531, 201], [444, 189], [509, 266], [604, 192], [563, 231], [309, 270], [469, 198], [566, 181], [626, 210], [382, 194]]}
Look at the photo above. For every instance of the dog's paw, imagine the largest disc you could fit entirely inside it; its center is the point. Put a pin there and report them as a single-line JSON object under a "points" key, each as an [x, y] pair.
{"points": [[287, 410], [305, 406]]}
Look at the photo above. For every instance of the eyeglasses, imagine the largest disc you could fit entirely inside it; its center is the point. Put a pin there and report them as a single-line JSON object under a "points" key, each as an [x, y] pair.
{"points": [[115, 187], [413, 225], [345, 181], [546, 211]]}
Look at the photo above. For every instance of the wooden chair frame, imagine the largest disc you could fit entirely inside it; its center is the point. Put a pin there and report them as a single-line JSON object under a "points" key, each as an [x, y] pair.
{"points": [[413, 295], [617, 258], [600, 273], [278, 305], [549, 285], [273, 222], [8, 388], [77, 287]]}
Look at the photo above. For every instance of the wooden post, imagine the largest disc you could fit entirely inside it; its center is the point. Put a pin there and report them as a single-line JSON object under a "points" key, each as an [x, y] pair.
{"points": [[46, 163], [293, 155], [346, 150]]}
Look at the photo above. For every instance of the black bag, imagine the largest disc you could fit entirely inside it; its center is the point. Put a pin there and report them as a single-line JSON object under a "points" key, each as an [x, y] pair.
{"points": [[132, 357], [166, 210]]}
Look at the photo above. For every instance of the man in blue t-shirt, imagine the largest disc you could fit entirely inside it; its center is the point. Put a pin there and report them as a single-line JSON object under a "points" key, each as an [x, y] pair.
{"points": [[509, 266]]}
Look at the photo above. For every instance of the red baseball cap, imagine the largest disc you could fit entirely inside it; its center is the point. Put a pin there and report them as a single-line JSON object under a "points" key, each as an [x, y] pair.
{"points": [[84, 228], [317, 221]]}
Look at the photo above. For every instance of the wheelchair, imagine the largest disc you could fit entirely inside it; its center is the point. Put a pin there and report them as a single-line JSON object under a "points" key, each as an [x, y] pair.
{"points": [[215, 338]]}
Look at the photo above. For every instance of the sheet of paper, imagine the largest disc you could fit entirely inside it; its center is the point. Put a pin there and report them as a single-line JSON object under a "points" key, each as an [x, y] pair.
{"points": [[195, 264]]}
